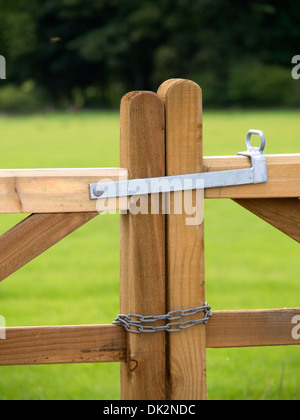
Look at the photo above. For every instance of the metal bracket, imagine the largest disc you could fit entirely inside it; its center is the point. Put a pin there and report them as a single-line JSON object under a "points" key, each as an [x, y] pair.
{"points": [[258, 158], [255, 175]]}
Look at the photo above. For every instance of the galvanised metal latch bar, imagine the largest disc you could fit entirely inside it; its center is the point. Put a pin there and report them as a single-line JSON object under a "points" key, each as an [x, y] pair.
{"points": [[255, 175]]}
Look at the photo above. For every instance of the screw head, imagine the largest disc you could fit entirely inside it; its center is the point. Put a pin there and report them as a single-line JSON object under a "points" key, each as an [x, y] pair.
{"points": [[97, 193]]}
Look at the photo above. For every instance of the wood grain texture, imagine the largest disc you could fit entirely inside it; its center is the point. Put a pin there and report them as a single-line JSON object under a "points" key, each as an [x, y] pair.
{"points": [[51, 190], [34, 235], [63, 344], [185, 244], [66, 190], [108, 343], [282, 213], [283, 177], [142, 248], [252, 328]]}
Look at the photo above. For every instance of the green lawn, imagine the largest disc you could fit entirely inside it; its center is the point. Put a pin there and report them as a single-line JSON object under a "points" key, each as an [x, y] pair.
{"points": [[248, 263]]}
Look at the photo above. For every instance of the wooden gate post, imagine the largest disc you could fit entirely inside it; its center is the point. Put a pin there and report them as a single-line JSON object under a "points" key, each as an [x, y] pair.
{"points": [[142, 248], [186, 358]]}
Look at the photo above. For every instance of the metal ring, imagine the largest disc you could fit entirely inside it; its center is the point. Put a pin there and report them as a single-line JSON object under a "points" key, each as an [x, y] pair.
{"points": [[262, 140]]}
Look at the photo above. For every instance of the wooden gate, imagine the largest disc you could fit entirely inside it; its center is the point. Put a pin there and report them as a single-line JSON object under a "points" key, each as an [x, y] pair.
{"points": [[162, 257]]}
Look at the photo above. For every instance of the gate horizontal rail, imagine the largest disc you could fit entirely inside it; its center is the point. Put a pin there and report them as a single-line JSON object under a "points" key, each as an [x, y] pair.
{"points": [[108, 343], [67, 190]]}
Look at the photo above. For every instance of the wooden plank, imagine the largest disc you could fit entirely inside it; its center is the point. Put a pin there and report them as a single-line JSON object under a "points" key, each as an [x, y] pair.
{"points": [[283, 173], [252, 328], [108, 343], [185, 244], [142, 246], [282, 213], [34, 235], [66, 190], [52, 190], [63, 344]]}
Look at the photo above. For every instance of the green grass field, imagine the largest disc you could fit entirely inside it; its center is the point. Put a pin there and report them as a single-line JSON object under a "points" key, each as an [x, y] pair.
{"points": [[249, 265]]}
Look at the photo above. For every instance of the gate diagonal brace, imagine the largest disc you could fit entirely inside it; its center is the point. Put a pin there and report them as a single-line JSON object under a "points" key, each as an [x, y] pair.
{"points": [[257, 174]]}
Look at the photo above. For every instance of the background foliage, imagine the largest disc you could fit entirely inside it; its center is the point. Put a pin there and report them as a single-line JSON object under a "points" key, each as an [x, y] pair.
{"points": [[90, 52]]}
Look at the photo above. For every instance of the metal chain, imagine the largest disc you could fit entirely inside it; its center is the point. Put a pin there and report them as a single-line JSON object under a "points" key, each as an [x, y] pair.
{"points": [[134, 323]]}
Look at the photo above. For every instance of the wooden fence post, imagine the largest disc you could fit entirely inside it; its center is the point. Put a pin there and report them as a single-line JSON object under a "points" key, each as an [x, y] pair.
{"points": [[186, 357], [142, 248]]}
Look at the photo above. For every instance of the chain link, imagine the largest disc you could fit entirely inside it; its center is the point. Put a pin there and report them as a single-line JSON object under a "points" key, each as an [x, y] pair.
{"points": [[138, 324]]}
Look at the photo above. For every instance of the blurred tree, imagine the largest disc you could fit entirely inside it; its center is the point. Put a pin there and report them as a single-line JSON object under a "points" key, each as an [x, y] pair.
{"points": [[17, 34], [84, 49]]}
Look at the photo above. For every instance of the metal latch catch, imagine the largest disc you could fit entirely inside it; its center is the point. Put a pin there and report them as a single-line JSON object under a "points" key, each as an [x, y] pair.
{"points": [[255, 175]]}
